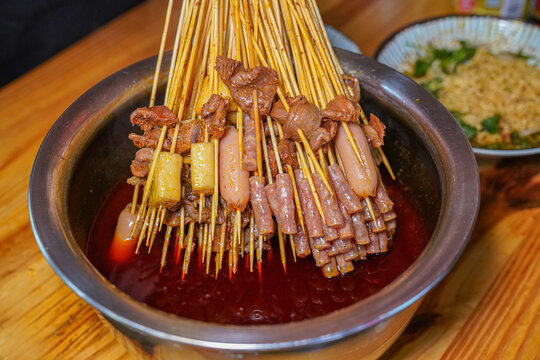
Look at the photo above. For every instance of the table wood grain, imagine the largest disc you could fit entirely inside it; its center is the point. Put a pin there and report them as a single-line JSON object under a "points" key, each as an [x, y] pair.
{"points": [[488, 306]]}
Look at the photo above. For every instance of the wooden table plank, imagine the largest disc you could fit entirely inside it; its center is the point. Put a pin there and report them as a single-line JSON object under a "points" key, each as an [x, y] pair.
{"points": [[487, 306]]}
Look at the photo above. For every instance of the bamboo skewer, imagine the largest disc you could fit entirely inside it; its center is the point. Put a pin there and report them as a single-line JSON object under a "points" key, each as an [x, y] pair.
{"points": [[161, 50]]}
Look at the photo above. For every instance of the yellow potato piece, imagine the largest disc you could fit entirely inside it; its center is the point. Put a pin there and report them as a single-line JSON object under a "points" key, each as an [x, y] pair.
{"points": [[202, 168], [165, 190]]}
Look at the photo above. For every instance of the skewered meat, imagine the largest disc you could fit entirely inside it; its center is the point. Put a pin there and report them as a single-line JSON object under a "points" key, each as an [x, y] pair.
{"points": [[249, 155], [149, 139], [388, 216], [344, 193], [272, 162], [339, 246], [189, 132], [320, 256], [362, 179], [360, 229], [352, 254], [301, 243], [123, 245], [302, 115], [377, 224], [343, 265], [383, 201], [321, 243], [147, 118], [374, 131], [330, 269], [287, 153], [329, 204], [312, 219], [347, 231], [267, 129], [362, 251], [374, 246], [261, 209], [172, 217], [319, 138], [242, 82], [330, 126], [352, 83], [383, 241], [286, 203], [271, 195], [330, 234], [140, 166], [136, 181], [341, 108], [214, 112], [233, 180]]}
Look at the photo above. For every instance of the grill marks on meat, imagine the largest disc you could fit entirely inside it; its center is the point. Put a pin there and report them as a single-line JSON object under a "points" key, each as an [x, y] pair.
{"points": [[242, 82], [214, 112], [147, 118], [140, 166], [341, 108], [189, 132], [374, 131]]}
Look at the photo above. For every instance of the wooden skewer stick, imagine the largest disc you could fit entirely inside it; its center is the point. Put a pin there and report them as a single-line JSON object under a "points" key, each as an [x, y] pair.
{"points": [[189, 249], [257, 131], [134, 199], [219, 257], [160, 54], [165, 248], [143, 233], [150, 176], [315, 161], [150, 226], [307, 174], [251, 242], [154, 228]]}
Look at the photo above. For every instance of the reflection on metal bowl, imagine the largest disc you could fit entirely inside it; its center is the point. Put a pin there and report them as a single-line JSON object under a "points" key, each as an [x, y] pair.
{"points": [[85, 155]]}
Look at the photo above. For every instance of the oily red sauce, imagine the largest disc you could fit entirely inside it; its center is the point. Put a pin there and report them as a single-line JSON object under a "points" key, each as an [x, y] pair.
{"points": [[245, 299]]}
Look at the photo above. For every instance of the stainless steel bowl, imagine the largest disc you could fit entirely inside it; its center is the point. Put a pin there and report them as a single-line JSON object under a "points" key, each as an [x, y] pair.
{"points": [[87, 152]]}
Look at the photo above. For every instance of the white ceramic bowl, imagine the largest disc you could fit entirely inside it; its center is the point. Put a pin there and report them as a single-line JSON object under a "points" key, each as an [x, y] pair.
{"points": [[402, 48]]}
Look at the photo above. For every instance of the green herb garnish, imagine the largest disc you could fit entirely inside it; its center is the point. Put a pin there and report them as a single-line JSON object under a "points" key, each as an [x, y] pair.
{"points": [[491, 124], [420, 68], [470, 131]]}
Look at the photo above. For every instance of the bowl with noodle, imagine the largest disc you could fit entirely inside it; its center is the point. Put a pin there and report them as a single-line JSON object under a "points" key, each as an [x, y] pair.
{"points": [[485, 70]]}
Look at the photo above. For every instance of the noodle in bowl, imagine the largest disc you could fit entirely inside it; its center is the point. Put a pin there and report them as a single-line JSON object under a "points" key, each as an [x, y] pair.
{"points": [[502, 78]]}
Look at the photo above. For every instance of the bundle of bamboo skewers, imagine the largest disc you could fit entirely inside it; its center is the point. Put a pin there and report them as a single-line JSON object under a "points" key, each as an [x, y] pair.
{"points": [[236, 65]]}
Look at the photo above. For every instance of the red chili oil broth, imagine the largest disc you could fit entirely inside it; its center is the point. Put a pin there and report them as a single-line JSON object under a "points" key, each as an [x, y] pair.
{"points": [[302, 293]]}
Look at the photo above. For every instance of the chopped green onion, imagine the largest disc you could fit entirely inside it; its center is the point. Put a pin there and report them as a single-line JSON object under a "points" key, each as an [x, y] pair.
{"points": [[491, 124], [420, 68], [470, 131]]}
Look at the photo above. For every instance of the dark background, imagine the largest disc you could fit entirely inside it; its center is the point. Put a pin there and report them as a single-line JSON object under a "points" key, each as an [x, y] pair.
{"points": [[31, 31]]}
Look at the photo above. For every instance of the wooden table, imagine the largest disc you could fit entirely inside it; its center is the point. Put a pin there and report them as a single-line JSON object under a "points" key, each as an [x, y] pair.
{"points": [[489, 306]]}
